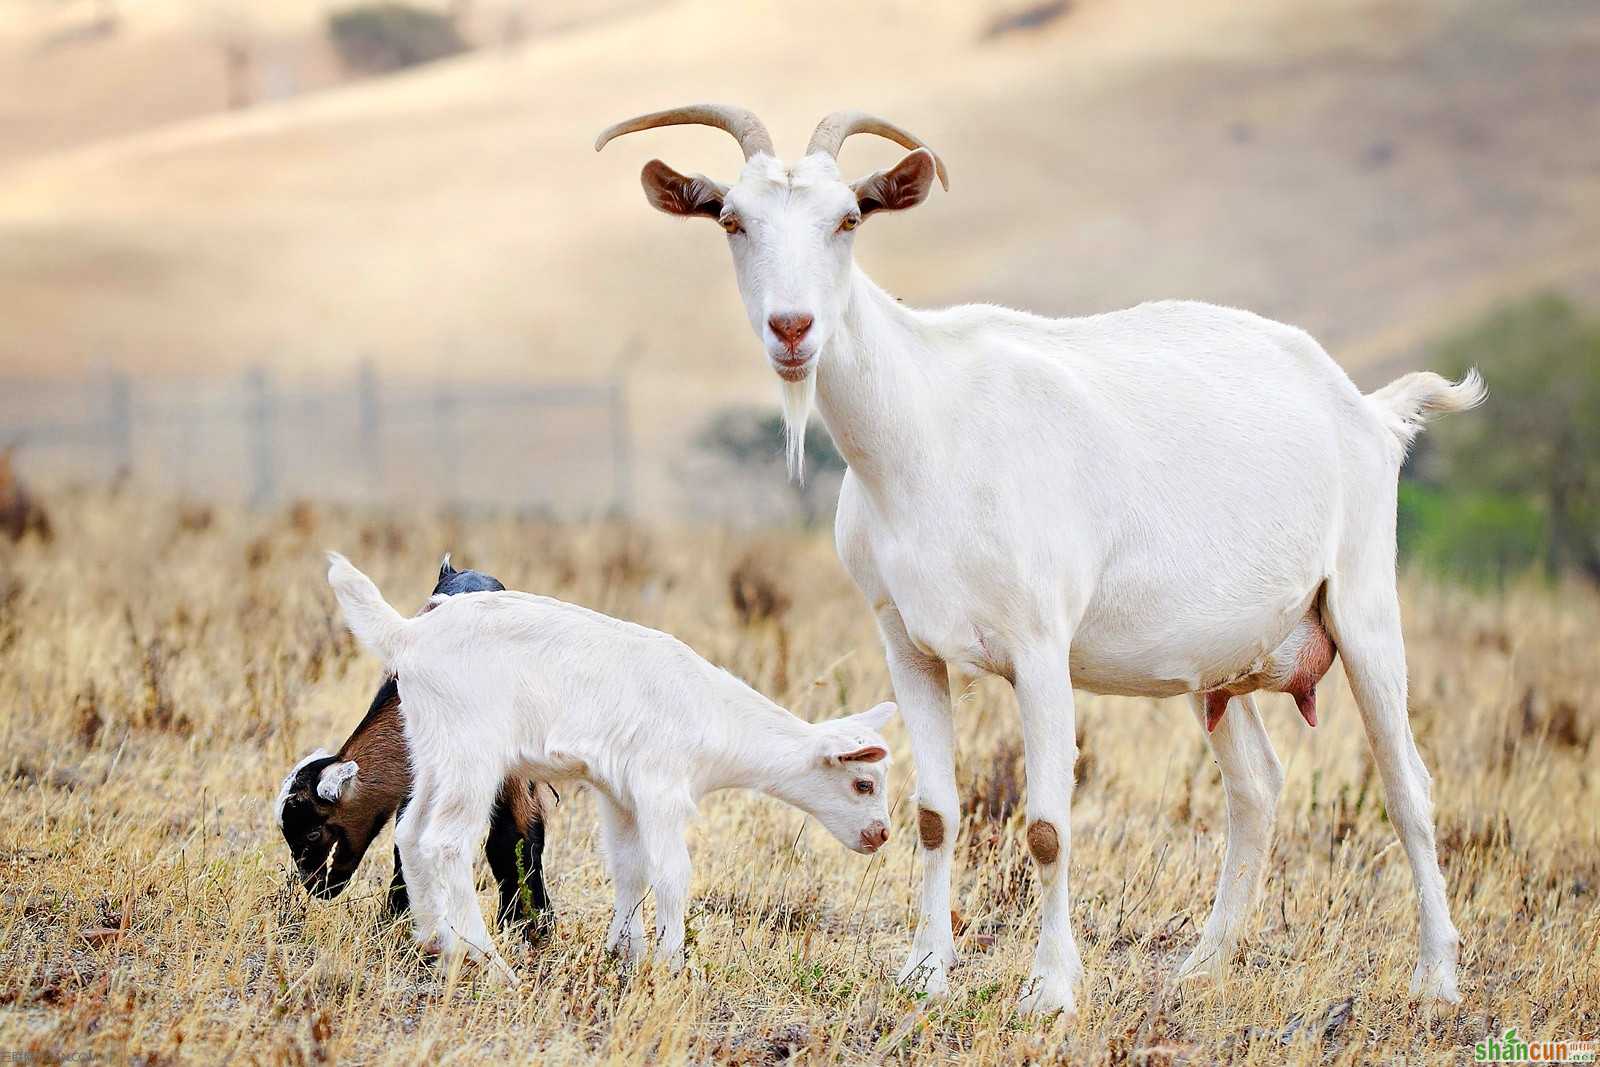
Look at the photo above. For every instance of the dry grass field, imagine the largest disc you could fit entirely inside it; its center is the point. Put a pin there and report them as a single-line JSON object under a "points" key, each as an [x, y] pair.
{"points": [[161, 667]]}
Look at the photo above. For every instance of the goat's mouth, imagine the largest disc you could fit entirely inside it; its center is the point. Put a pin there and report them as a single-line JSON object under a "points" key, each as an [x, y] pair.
{"points": [[793, 368], [324, 884]]}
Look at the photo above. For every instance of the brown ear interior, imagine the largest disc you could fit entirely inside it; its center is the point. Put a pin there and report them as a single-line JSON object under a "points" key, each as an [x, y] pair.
{"points": [[680, 194], [870, 754], [906, 184]]}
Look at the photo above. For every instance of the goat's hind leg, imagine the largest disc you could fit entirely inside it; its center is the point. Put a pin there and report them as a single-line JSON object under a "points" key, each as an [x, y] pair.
{"points": [[1364, 617], [1252, 779], [458, 819], [426, 891]]}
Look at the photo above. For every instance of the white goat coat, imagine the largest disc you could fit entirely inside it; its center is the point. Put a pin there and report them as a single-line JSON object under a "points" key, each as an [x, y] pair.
{"points": [[555, 691], [1092, 468]]}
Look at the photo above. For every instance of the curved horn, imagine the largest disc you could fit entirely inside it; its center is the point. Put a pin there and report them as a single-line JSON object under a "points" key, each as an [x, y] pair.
{"points": [[746, 128], [831, 132]]}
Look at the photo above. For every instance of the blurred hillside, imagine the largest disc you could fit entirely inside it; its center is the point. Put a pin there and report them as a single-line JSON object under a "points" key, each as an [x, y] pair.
{"points": [[1373, 170]]}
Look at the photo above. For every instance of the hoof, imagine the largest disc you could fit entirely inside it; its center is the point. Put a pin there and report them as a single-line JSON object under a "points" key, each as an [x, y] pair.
{"points": [[925, 973], [1436, 981], [1047, 994], [626, 946], [1207, 963], [498, 973]]}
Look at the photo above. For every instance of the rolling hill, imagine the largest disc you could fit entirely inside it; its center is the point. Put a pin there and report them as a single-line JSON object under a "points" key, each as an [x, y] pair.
{"points": [[1369, 169]]}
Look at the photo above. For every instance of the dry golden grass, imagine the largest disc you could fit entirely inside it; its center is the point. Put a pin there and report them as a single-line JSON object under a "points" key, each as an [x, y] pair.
{"points": [[161, 667]]}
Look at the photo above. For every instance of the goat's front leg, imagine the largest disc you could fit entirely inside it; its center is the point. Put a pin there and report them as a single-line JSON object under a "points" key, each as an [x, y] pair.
{"points": [[1044, 694], [626, 859], [922, 689], [515, 850], [398, 901], [661, 827], [1252, 779]]}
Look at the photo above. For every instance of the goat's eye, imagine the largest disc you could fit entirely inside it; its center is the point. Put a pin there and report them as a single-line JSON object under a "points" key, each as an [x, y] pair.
{"points": [[315, 835], [731, 224], [848, 223], [864, 786]]}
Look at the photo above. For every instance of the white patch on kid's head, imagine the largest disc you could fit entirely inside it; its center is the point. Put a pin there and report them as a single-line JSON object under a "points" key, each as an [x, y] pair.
{"points": [[335, 776], [798, 398], [288, 783]]}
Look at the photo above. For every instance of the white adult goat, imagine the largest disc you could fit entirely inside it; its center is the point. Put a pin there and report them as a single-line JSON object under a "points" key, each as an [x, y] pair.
{"points": [[1146, 502]]}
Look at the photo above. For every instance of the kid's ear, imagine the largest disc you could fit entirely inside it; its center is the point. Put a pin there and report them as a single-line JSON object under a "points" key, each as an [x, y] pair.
{"points": [[336, 778], [869, 754]]}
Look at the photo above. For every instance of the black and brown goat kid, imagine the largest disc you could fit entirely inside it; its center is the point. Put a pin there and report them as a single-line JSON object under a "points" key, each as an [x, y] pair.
{"points": [[332, 806]]}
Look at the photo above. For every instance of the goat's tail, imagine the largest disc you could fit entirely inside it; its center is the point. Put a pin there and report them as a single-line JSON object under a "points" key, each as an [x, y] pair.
{"points": [[1406, 404], [376, 625]]}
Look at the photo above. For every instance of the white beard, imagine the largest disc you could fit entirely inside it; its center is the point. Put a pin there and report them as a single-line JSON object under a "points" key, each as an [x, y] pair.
{"points": [[798, 398]]}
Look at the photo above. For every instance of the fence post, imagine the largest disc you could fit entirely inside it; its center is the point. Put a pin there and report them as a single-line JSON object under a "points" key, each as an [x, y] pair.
{"points": [[445, 440], [367, 418], [621, 448], [119, 423], [258, 417]]}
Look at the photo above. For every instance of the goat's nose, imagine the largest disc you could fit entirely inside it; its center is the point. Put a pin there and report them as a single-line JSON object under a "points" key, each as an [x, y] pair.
{"points": [[790, 327], [875, 837]]}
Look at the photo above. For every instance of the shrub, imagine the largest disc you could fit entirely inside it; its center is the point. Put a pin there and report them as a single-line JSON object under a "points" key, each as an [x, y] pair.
{"points": [[1476, 536], [1528, 462], [378, 38], [751, 441]]}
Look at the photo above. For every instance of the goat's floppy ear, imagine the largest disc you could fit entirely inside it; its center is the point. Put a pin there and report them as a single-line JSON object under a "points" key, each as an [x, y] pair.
{"points": [[865, 754], [681, 194], [906, 184], [336, 778]]}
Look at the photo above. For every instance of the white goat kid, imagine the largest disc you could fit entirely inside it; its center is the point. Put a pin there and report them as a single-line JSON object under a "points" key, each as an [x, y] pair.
{"points": [[1147, 502], [497, 684]]}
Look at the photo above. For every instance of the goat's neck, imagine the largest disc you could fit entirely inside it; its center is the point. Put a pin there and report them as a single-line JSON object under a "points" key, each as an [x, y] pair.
{"points": [[872, 387], [378, 747], [754, 746], [767, 749]]}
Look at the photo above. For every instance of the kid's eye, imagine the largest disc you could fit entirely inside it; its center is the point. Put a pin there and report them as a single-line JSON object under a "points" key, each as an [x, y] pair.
{"points": [[848, 223], [731, 224], [864, 786]]}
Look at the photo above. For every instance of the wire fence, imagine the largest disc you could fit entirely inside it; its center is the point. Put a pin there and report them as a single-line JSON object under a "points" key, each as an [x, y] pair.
{"points": [[562, 449]]}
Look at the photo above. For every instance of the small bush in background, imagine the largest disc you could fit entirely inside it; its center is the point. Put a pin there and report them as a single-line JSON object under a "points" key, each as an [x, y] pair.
{"points": [[1515, 484], [1474, 536], [379, 38], [750, 441]]}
